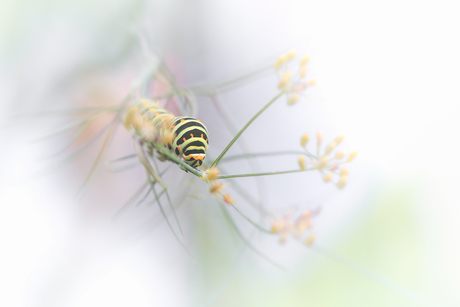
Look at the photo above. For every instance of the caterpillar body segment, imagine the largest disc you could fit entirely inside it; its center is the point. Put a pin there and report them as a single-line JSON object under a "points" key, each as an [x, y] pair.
{"points": [[185, 137]]}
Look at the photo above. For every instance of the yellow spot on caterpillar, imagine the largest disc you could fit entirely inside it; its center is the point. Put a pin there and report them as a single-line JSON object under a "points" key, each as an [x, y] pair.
{"points": [[202, 135], [151, 108], [206, 140], [198, 120], [178, 147], [191, 134], [182, 120], [156, 114], [174, 127], [184, 139]]}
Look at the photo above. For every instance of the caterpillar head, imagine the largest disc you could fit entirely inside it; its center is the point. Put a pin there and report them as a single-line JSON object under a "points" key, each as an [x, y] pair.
{"points": [[194, 159], [191, 141]]}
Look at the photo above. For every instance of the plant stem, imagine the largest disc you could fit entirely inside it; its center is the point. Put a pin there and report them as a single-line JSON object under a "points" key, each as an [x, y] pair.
{"points": [[263, 174], [262, 154], [244, 128], [176, 160]]}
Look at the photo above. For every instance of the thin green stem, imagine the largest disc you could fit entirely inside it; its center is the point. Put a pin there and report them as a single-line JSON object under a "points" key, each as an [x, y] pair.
{"points": [[253, 164], [263, 174], [176, 160], [85, 122], [245, 241], [121, 159], [169, 224], [132, 199], [226, 85], [262, 154], [251, 221], [145, 196], [216, 162], [155, 200], [124, 168], [169, 202]]}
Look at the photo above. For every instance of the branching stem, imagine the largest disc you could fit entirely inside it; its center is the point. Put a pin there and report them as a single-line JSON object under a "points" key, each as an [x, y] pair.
{"points": [[245, 127]]}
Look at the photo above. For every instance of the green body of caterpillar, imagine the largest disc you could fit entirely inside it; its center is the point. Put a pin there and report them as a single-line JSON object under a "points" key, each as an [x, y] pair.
{"points": [[148, 122]]}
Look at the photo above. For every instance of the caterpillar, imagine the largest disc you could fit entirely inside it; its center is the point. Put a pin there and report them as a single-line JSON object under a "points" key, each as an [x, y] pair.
{"points": [[186, 137]]}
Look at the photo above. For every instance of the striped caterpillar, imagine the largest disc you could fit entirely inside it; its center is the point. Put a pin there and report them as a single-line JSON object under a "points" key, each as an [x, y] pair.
{"points": [[185, 137]]}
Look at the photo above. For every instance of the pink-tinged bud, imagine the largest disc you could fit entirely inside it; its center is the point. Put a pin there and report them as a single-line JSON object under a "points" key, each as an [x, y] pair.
{"points": [[228, 199], [216, 187], [334, 167]]}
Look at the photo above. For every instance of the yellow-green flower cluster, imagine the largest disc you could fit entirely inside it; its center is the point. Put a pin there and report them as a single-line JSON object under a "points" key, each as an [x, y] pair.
{"points": [[328, 161], [285, 226], [293, 83], [215, 186]]}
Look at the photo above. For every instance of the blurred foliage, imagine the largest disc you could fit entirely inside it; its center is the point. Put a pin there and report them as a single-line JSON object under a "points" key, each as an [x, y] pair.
{"points": [[386, 240]]}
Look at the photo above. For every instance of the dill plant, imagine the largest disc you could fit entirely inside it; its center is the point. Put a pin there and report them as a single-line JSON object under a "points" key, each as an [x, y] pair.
{"points": [[292, 83], [316, 155]]}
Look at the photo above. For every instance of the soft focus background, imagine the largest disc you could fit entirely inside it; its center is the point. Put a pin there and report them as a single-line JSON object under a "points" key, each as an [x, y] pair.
{"points": [[387, 78]]}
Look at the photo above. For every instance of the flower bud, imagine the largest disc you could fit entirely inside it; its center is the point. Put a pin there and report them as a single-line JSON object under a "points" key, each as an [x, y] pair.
{"points": [[281, 60], [310, 239], [285, 78], [304, 140], [334, 167], [339, 155], [323, 162], [352, 156], [302, 162], [211, 173], [228, 199], [304, 61], [291, 54], [343, 171], [216, 187], [339, 139], [330, 147], [319, 137], [293, 98], [303, 72], [343, 180]]}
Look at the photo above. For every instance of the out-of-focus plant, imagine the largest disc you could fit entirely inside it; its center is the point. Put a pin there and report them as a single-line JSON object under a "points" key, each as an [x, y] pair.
{"points": [[152, 137]]}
